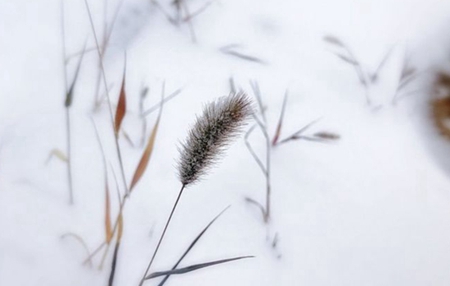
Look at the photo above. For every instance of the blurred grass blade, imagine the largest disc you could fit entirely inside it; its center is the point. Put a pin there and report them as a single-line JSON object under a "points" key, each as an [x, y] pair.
{"points": [[121, 106], [147, 153], [333, 40], [193, 267], [194, 242], [82, 243], [158, 105], [69, 94], [327, 135], [347, 59], [58, 154], [280, 121], [116, 250], [108, 229]]}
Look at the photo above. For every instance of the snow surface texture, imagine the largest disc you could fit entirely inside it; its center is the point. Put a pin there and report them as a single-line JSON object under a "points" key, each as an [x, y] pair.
{"points": [[370, 209]]}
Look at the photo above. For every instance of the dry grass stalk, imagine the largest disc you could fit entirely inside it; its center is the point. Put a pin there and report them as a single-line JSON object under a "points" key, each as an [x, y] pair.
{"points": [[69, 93], [345, 53], [407, 76], [270, 143], [220, 122], [116, 123]]}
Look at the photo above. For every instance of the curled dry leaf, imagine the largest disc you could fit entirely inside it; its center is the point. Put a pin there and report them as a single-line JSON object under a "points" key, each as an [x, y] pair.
{"points": [[121, 107], [146, 156]]}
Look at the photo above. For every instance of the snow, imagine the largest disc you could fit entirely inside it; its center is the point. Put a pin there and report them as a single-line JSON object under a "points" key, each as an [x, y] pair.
{"points": [[369, 209]]}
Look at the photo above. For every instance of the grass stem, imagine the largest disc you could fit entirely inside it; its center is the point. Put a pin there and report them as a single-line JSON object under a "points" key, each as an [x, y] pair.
{"points": [[162, 235]]}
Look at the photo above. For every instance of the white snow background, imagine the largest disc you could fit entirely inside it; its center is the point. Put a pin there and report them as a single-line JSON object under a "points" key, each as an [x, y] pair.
{"points": [[372, 208]]}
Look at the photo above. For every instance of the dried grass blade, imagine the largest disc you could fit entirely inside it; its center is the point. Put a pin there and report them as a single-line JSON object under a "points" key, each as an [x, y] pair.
{"points": [[147, 153], [258, 205], [108, 229], [194, 267], [158, 105], [194, 242], [82, 242], [333, 40], [121, 106], [327, 135], [347, 59], [58, 154], [116, 250], [69, 94], [280, 121], [383, 62]]}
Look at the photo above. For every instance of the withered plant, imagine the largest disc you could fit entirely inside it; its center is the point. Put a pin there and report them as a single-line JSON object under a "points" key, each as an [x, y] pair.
{"points": [[221, 121], [180, 13], [369, 78], [272, 142]]}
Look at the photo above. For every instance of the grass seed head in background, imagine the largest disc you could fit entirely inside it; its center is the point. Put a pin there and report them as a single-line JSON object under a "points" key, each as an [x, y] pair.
{"points": [[220, 122]]}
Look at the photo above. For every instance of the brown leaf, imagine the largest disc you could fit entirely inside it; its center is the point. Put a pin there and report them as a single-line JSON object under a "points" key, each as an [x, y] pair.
{"points": [[119, 228], [121, 107], [108, 230], [145, 156]]}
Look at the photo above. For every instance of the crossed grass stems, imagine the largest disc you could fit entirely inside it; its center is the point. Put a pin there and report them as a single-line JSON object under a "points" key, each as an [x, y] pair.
{"points": [[115, 231]]}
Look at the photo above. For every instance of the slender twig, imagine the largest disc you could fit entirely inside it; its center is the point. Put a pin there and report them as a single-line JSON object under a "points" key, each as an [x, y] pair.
{"points": [[106, 38], [252, 151], [158, 105], [257, 92], [67, 113], [144, 93], [265, 168], [69, 155], [119, 154], [162, 235]]}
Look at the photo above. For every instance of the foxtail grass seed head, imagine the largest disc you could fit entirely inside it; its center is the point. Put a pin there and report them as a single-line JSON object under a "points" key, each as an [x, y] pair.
{"points": [[220, 122]]}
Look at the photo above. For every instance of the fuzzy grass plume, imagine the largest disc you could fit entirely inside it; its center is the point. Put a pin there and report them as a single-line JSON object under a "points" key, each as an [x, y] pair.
{"points": [[221, 121]]}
